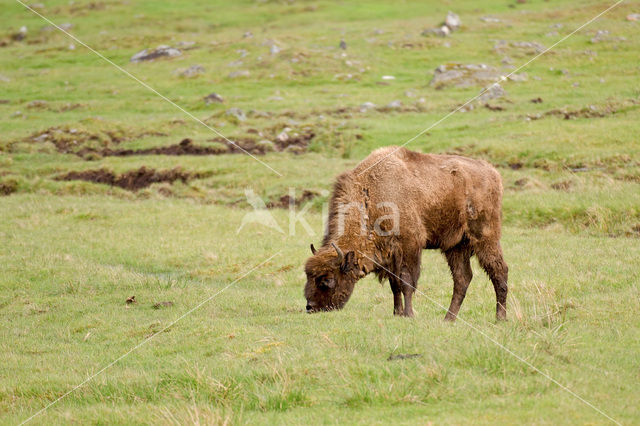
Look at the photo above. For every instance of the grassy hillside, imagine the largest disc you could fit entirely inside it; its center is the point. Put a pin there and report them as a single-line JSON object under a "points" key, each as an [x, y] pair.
{"points": [[96, 206]]}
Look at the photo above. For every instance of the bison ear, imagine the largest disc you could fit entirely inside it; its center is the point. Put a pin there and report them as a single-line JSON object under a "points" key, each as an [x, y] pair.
{"points": [[313, 249], [349, 262]]}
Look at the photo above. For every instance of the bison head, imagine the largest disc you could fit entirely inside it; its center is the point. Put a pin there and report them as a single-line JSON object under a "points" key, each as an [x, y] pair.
{"points": [[331, 276]]}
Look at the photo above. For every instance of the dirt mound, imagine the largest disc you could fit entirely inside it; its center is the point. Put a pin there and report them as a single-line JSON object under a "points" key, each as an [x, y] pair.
{"points": [[591, 111], [132, 180], [73, 140], [185, 147], [286, 200], [8, 187]]}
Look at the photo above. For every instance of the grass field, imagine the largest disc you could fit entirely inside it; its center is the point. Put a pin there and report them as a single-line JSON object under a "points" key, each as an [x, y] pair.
{"points": [[564, 137]]}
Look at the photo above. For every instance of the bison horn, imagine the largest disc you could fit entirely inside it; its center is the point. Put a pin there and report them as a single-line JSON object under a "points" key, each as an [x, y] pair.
{"points": [[340, 254], [313, 249]]}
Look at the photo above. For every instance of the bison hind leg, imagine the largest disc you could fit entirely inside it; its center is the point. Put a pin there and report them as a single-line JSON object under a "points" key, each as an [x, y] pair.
{"points": [[458, 259]]}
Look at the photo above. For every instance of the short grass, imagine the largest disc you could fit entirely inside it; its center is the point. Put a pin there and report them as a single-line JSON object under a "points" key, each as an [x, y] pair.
{"points": [[73, 252]]}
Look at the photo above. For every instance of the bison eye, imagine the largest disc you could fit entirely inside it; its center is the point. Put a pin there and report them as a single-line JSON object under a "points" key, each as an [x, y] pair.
{"points": [[325, 282]]}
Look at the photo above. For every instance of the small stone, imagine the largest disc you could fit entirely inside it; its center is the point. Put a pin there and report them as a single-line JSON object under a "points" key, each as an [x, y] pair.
{"points": [[274, 49], [633, 17], [388, 77], [213, 98], [192, 71], [494, 91], [239, 73], [490, 19], [284, 135], [186, 44], [343, 45], [367, 106], [443, 31], [519, 77], [21, 34], [452, 21], [247, 34], [158, 52], [394, 104], [600, 36], [410, 93], [237, 113]]}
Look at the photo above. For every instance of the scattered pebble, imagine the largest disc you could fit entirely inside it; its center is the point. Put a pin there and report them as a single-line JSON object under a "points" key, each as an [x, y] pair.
{"points": [[239, 73], [633, 17], [237, 113], [213, 98], [490, 19], [343, 45], [452, 21], [192, 71], [494, 91], [158, 52], [367, 106], [394, 104], [388, 77]]}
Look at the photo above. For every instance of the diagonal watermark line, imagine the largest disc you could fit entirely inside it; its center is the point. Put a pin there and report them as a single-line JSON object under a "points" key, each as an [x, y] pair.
{"points": [[147, 340], [145, 85], [502, 78], [500, 345]]}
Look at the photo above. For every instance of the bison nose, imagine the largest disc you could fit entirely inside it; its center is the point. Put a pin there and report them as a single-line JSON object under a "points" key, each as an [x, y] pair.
{"points": [[309, 308]]}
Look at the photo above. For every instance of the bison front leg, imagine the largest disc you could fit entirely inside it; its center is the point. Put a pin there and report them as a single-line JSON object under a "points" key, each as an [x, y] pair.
{"points": [[396, 288], [408, 288], [458, 260], [492, 261]]}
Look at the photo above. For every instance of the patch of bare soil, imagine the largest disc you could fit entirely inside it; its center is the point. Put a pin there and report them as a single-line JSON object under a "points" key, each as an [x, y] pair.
{"points": [[8, 187], [185, 147], [132, 180], [71, 140], [41, 105], [286, 200]]}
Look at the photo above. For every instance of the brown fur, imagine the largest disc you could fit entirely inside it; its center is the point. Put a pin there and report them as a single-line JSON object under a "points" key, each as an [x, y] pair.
{"points": [[445, 202]]}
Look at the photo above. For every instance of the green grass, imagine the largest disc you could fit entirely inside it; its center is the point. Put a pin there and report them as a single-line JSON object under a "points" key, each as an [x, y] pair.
{"points": [[72, 252]]}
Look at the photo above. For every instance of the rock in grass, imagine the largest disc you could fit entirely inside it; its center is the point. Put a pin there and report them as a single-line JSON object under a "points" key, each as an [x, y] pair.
{"points": [[240, 73], [367, 106], [237, 113], [20, 35], [158, 52], [192, 71], [452, 21], [213, 98], [633, 17], [494, 91]]}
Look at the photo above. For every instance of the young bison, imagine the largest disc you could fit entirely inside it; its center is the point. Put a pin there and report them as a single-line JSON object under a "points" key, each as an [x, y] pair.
{"points": [[396, 203]]}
